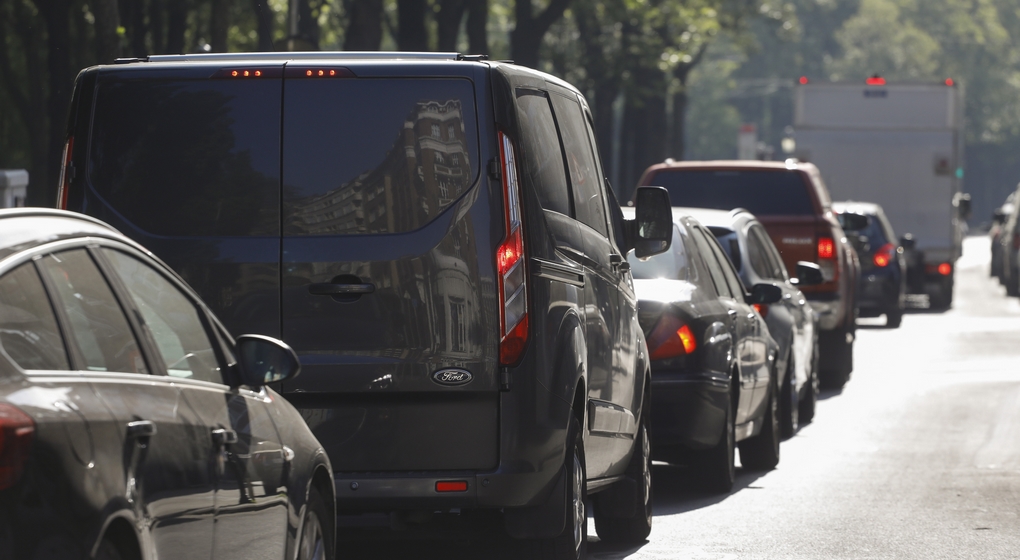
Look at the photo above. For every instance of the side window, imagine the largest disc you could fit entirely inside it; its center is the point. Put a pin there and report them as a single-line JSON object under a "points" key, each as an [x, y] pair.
{"points": [[584, 177], [543, 158], [98, 327], [758, 255], [732, 280], [775, 259], [172, 319], [28, 327], [712, 262]]}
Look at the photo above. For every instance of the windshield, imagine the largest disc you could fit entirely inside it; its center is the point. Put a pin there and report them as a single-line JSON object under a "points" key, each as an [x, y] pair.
{"points": [[761, 192]]}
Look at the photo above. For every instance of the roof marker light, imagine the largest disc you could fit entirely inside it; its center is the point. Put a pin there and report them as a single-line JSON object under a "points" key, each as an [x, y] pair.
{"points": [[875, 80]]}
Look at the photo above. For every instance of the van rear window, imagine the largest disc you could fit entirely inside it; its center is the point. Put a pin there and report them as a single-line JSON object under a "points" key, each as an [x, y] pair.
{"points": [[189, 157], [371, 156], [763, 193]]}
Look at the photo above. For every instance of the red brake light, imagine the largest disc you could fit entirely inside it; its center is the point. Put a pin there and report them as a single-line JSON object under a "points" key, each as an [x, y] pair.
{"points": [[804, 80], [945, 269], [452, 486], [16, 433], [826, 248], [875, 80], [510, 264], [671, 338], [884, 255], [950, 82], [64, 183], [761, 308]]}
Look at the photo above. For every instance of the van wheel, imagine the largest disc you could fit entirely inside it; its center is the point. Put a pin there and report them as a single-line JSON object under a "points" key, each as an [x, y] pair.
{"points": [[314, 544], [716, 467], [572, 543], [789, 403], [636, 528], [761, 452]]}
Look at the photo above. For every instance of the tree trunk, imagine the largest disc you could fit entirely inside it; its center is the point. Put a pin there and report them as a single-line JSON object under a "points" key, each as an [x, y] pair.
{"points": [[138, 29], [529, 30], [177, 20], [677, 141], [107, 39], [218, 25], [157, 9], [364, 30], [265, 24], [411, 32], [61, 80], [646, 123], [448, 19], [308, 25], [477, 32]]}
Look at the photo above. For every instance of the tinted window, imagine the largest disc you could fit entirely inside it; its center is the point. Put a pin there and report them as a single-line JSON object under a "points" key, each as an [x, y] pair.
{"points": [[770, 253], [761, 192], [97, 323], [367, 156], [28, 328], [758, 257], [189, 157], [732, 281], [710, 260], [730, 244], [861, 224], [171, 318], [589, 205], [674, 264], [543, 158]]}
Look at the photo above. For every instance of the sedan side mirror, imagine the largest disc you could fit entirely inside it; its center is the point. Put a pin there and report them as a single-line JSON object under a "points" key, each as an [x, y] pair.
{"points": [[652, 227], [808, 274], [262, 360], [765, 293]]}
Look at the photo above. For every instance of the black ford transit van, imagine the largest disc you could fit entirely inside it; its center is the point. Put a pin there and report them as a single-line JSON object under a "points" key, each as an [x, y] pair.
{"points": [[433, 235]]}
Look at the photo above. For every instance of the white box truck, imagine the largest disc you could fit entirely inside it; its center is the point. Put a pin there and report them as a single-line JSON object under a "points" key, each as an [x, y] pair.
{"points": [[898, 145]]}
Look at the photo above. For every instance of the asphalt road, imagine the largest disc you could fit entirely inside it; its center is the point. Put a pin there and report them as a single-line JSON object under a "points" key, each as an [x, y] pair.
{"points": [[917, 457]]}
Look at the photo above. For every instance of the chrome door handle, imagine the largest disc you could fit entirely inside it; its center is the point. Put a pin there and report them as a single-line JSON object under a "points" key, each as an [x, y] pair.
{"points": [[140, 429], [331, 289], [224, 436]]}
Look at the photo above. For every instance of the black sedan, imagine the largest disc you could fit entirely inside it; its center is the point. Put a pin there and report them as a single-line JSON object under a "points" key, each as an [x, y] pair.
{"points": [[714, 380], [132, 426]]}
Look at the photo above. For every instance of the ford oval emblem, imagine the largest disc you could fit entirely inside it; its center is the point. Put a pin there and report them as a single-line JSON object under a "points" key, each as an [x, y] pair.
{"points": [[452, 377]]}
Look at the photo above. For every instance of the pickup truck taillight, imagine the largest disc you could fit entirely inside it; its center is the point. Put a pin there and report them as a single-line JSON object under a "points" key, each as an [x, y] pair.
{"points": [[828, 258], [510, 265], [16, 433]]}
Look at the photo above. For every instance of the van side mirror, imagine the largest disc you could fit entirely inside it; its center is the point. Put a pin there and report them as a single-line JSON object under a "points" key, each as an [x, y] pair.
{"points": [[262, 360], [765, 293], [808, 274], [652, 227]]}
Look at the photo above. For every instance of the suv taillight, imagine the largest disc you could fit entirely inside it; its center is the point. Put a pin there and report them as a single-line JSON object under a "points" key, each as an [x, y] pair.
{"points": [[884, 255], [510, 264], [65, 174], [671, 338], [16, 433]]}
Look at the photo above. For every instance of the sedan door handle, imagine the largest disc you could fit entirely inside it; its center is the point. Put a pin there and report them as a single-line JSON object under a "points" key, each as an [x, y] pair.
{"points": [[140, 429], [331, 289], [731, 312], [224, 436]]}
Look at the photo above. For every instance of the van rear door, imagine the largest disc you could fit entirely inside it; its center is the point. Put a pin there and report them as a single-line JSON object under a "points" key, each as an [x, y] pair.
{"points": [[388, 284]]}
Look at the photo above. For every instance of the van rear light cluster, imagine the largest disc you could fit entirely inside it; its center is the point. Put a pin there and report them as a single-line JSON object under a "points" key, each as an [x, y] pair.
{"points": [[884, 255], [16, 433], [671, 338], [65, 174], [510, 264]]}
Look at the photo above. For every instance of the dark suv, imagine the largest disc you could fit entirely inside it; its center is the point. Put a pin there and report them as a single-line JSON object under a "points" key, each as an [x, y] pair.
{"points": [[433, 236]]}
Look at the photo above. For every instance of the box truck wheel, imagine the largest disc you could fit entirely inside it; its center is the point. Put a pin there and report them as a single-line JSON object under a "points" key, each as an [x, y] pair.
{"points": [[942, 297]]}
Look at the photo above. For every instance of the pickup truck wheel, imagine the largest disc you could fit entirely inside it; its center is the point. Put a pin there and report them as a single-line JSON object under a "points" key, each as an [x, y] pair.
{"points": [[789, 404], [634, 529], [761, 452], [572, 543], [715, 466]]}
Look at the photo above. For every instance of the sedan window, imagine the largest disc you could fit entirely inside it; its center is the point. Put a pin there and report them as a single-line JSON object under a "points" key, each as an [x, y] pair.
{"points": [[172, 319], [671, 265], [96, 321], [28, 327]]}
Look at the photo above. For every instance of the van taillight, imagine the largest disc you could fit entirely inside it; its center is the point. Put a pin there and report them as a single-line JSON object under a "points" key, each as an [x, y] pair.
{"points": [[510, 264], [16, 433], [884, 255], [65, 174], [671, 338]]}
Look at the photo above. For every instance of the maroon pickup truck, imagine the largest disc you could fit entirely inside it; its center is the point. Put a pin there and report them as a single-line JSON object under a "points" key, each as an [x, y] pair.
{"points": [[791, 201]]}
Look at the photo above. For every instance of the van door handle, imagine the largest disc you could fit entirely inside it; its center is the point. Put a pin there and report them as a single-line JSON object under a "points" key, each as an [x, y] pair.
{"points": [[331, 289], [140, 429], [223, 436]]}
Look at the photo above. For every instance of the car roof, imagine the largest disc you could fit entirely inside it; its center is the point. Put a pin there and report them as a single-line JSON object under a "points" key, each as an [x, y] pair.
{"points": [[712, 218], [857, 207], [735, 164], [25, 228]]}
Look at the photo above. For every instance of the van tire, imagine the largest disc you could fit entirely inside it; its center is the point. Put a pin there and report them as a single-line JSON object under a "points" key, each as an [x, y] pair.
{"points": [[635, 528], [761, 452], [572, 543]]}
